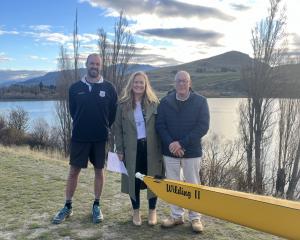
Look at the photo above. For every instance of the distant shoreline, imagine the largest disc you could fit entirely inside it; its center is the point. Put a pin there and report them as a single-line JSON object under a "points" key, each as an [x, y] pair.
{"points": [[39, 100], [25, 99]]}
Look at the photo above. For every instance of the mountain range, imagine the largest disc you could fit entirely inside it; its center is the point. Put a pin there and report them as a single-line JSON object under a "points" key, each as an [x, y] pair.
{"points": [[9, 77], [27, 78]]}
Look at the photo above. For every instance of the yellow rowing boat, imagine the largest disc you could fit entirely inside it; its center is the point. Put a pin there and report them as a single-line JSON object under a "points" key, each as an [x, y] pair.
{"points": [[276, 216]]}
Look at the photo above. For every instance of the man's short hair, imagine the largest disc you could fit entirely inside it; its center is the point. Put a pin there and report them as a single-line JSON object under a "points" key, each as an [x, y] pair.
{"points": [[182, 72], [92, 55]]}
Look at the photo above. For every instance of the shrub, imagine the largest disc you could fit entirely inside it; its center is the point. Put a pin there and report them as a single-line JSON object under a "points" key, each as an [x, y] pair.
{"points": [[39, 136], [18, 119], [12, 136], [2, 122]]}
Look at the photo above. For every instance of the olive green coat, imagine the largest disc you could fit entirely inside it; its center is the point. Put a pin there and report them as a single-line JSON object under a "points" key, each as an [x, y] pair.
{"points": [[126, 143]]}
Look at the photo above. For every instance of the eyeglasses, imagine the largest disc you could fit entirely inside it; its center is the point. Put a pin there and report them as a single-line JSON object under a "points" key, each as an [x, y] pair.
{"points": [[182, 81]]}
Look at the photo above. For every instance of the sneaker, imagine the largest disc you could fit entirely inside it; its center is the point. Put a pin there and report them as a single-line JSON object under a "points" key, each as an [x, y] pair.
{"points": [[136, 217], [62, 215], [152, 218], [171, 222], [197, 226], [97, 214]]}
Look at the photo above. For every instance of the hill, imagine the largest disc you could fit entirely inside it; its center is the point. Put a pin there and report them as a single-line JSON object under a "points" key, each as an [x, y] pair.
{"points": [[8, 77], [220, 76], [213, 77], [51, 77], [289, 81], [32, 189]]}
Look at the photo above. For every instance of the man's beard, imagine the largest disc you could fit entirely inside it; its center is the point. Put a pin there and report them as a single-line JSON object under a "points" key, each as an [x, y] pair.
{"points": [[93, 73]]}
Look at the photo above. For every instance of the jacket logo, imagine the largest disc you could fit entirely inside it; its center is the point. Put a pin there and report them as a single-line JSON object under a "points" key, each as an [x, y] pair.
{"points": [[80, 93], [102, 94]]}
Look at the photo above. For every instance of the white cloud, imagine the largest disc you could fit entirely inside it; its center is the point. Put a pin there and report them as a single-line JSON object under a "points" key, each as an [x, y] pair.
{"points": [[34, 57], [50, 37], [55, 37], [61, 38], [230, 20], [236, 33], [20, 76], [41, 28], [2, 32], [163, 55], [4, 57], [87, 37], [234, 30], [91, 47]]}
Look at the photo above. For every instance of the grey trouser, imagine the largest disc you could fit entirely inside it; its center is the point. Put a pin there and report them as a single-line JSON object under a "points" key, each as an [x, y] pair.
{"points": [[183, 169]]}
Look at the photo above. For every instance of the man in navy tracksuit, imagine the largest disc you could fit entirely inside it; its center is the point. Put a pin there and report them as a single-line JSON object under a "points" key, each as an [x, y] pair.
{"points": [[92, 103], [182, 120]]}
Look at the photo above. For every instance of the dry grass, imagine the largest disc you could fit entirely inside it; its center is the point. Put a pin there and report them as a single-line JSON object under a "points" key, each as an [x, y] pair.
{"points": [[32, 190]]}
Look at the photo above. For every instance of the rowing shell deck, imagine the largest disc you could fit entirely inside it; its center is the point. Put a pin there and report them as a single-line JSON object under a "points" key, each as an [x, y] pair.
{"points": [[276, 216]]}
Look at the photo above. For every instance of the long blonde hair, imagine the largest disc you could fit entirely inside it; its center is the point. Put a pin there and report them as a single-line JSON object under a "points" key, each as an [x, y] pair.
{"points": [[148, 98]]}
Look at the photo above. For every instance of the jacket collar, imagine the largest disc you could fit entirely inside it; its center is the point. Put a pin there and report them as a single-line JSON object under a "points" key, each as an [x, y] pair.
{"points": [[88, 84], [171, 99]]}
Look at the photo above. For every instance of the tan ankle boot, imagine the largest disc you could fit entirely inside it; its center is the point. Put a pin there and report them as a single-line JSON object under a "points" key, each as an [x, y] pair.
{"points": [[197, 226], [136, 218], [171, 222], [152, 218]]}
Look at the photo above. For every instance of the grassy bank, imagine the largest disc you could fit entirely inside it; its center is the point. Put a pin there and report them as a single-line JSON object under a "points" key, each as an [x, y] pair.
{"points": [[32, 190]]}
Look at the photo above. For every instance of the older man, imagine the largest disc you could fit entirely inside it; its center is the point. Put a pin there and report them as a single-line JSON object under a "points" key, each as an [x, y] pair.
{"points": [[182, 120], [93, 108]]}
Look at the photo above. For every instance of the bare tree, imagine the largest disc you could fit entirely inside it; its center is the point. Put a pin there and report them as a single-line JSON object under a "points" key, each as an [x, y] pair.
{"points": [[55, 141], [222, 164], [116, 53], [288, 169], [76, 49], [39, 136], [69, 73], [18, 119], [247, 137], [2, 122], [286, 125], [259, 79], [13, 127], [293, 149], [62, 105]]}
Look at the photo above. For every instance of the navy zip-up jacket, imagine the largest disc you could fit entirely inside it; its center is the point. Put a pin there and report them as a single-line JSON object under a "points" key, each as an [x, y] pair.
{"points": [[93, 110], [186, 122]]}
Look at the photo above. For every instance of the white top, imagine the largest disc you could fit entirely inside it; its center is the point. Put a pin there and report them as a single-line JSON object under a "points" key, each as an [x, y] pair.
{"points": [[89, 85], [139, 121], [183, 99]]}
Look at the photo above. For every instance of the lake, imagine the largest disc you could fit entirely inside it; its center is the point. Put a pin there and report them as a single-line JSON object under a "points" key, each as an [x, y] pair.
{"points": [[223, 113]]}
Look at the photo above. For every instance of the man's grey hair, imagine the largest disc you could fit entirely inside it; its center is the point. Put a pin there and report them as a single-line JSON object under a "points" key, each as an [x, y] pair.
{"points": [[182, 72]]}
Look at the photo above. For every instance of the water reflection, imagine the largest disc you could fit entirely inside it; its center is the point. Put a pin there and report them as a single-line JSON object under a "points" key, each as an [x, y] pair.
{"points": [[223, 114]]}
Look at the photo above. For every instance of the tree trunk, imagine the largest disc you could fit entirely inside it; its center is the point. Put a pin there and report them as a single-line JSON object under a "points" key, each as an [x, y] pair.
{"points": [[295, 175]]}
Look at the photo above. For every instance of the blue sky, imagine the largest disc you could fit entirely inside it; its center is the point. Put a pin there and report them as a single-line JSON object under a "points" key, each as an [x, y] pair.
{"points": [[34, 30], [167, 32]]}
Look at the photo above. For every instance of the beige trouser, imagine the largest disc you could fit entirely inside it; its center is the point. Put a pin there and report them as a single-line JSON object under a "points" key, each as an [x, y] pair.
{"points": [[183, 169]]}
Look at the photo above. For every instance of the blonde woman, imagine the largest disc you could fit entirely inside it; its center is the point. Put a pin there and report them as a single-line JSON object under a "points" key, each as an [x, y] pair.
{"points": [[137, 143]]}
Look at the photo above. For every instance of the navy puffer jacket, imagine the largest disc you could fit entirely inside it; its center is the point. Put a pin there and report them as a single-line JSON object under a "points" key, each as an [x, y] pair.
{"points": [[186, 122]]}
